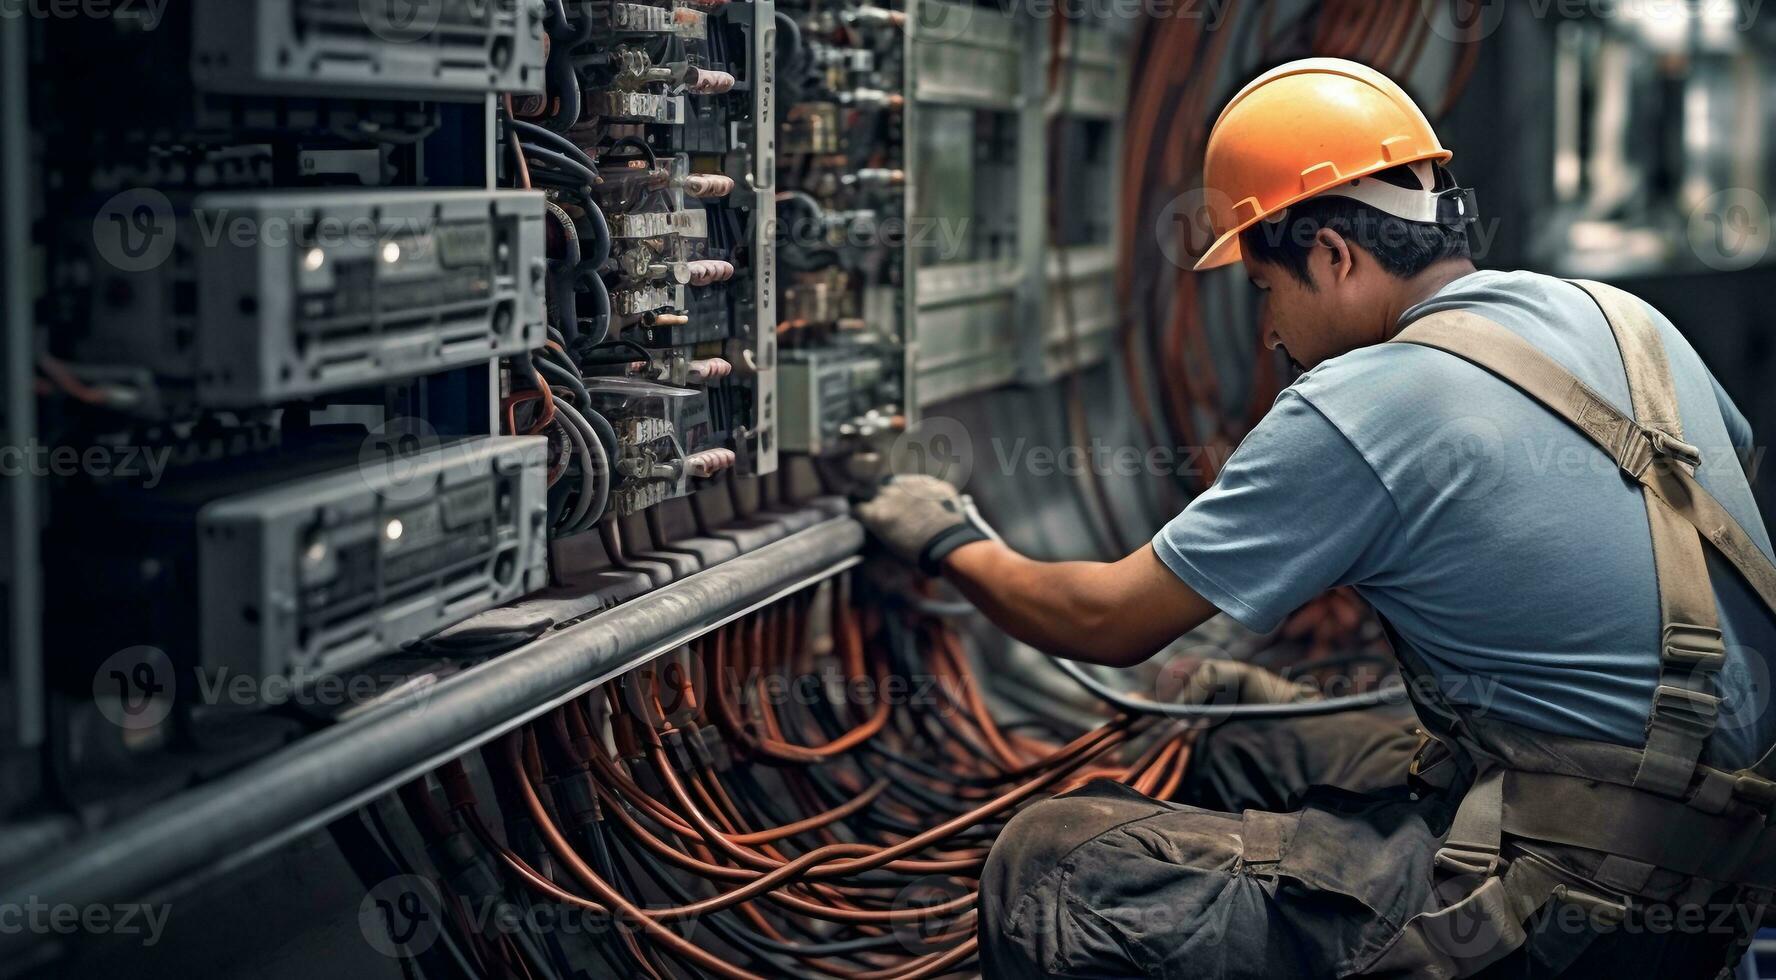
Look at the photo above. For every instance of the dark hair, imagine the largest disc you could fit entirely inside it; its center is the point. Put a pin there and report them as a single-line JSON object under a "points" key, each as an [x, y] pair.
{"points": [[1404, 248]]}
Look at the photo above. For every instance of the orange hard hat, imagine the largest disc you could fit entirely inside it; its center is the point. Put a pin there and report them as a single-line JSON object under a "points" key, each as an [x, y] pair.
{"points": [[1300, 130]]}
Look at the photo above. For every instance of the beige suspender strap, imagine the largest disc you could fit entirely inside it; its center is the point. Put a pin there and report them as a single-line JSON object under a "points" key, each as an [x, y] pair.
{"points": [[1680, 514], [1685, 705], [1634, 448]]}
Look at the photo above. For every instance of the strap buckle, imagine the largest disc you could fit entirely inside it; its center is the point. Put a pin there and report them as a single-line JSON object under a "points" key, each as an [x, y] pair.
{"points": [[1467, 859], [1694, 711], [1697, 648], [1668, 446], [1604, 911], [1639, 445]]}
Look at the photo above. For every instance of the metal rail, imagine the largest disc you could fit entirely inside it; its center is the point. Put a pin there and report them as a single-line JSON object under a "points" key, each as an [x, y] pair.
{"points": [[211, 829]]}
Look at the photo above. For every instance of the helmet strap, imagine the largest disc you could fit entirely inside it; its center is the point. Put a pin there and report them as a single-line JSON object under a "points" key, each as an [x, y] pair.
{"points": [[1446, 205]]}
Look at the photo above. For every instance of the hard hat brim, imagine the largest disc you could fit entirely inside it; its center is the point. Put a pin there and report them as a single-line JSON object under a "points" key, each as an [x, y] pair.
{"points": [[1226, 250]]}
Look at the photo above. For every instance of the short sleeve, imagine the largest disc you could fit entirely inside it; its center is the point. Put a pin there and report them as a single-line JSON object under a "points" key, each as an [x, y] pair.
{"points": [[1296, 511]]}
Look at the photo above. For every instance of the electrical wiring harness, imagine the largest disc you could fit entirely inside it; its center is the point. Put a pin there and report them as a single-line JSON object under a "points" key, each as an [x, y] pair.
{"points": [[809, 791]]}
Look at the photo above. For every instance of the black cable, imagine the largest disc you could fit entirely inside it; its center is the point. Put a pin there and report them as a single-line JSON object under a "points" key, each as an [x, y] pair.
{"points": [[558, 142], [561, 162], [601, 241], [653, 363], [642, 145], [565, 82], [569, 378], [598, 324]]}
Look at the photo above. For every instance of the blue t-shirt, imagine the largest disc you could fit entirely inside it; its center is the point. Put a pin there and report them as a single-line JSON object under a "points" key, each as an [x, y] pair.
{"points": [[1505, 547]]}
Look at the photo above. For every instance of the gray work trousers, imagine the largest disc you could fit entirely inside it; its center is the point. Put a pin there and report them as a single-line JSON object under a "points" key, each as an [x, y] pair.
{"points": [[1301, 852]]}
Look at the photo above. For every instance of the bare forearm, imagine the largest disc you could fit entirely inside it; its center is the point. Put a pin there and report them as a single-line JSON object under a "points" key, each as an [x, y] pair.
{"points": [[1115, 613]]}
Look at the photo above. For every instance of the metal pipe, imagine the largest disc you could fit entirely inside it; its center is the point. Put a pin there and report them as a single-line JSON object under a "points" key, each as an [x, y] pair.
{"points": [[222, 824]]}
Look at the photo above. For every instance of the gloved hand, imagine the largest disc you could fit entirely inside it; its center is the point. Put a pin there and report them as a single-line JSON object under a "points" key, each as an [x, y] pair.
{"points": [[921, 519]]}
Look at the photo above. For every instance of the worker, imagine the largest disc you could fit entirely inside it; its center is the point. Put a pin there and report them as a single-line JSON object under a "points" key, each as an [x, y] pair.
{"points": [[1539, 488]]}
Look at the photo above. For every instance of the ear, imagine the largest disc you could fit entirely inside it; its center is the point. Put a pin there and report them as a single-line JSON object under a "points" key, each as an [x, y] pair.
{"points": [[1332, 256]]}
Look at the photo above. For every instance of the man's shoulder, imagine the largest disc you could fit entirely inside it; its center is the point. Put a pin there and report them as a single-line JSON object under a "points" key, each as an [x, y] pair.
{"points": [[1385, 377], [1410, 380]]}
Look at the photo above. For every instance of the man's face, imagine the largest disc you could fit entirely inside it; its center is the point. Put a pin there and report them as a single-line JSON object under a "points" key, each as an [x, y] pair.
{"points": [[1315, 320]]}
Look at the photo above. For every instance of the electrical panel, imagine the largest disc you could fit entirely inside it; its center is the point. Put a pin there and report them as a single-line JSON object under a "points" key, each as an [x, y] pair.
{"points": [[1082, 130], [460, 49], [271, 296], [974, 140], [310, 563], [215, 70], [273, 279], [845, 229], [655, 144]]}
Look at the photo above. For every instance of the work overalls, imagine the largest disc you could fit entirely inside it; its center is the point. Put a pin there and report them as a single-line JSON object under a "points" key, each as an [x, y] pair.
{"points": [[1499, 852]]}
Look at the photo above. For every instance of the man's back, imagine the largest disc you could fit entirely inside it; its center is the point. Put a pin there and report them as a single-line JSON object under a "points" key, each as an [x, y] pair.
{"points": [[1504, 547]]}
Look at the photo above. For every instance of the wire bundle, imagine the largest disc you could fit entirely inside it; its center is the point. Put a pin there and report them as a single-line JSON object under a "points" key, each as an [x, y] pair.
{"points": [[814, 787]]}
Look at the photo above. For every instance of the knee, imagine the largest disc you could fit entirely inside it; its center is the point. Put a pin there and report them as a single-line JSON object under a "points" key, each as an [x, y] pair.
{"points": [[1027, 925], [1037, 839], [1040, 838]]}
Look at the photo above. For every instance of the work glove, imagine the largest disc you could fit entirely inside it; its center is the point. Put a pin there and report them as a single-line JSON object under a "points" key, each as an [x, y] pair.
{"points": [[921, 519]]}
